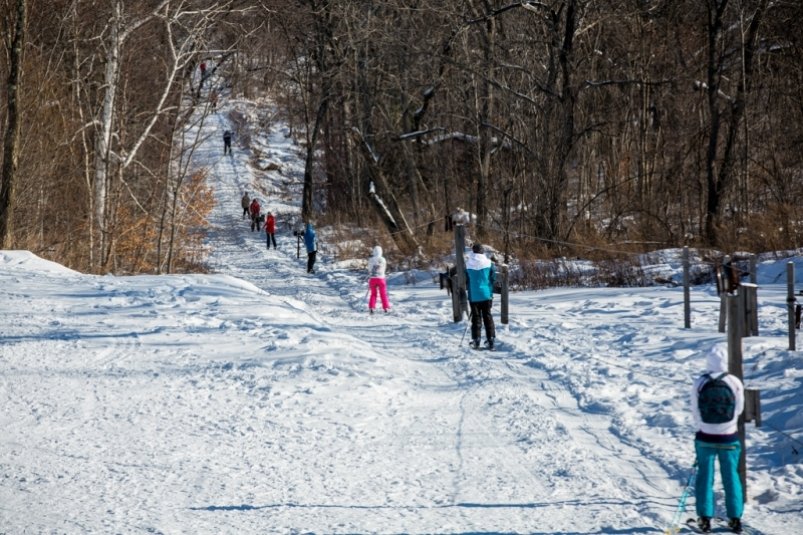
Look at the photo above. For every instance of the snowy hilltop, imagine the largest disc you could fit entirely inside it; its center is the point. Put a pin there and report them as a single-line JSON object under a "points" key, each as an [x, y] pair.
{"points": [[259, 398]]}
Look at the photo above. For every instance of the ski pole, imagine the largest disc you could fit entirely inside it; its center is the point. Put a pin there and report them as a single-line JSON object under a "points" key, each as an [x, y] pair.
{"points": [[464, 332], [674, 526]]}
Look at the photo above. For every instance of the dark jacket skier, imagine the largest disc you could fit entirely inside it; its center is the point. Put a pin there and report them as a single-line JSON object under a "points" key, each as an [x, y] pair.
{"points": [[245, 202], [227, 142], [311, 243]]}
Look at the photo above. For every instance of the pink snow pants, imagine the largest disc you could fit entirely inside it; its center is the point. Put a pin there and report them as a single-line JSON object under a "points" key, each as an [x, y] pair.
{"points": [[378, 284]]}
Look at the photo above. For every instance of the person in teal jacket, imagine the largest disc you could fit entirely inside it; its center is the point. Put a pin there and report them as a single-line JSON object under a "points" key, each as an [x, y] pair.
{"points": [[480, 277], [311, 242]]}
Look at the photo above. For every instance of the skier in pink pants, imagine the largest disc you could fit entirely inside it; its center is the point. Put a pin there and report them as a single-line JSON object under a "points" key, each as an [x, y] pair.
{"points": [[376, 281]]}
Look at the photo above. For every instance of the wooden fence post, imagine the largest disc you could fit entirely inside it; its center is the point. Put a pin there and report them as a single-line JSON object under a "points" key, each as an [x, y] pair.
{"points": [[752, 406], [735, 323], [790, 302], [748, 293], [686, 290], [726, 290], [459, 298], [298, 232], [504, 300]]}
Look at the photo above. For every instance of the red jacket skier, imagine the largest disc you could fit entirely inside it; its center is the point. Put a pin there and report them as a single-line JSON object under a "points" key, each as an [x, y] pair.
{"points": [[270, 229], [255, 211]]}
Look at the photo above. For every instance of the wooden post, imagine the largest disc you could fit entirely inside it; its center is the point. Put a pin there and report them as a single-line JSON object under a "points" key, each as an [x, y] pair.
{"points": [[749, 295], [298, 232], [503, 274], [790, 302], [686, 294], [456, 309], [752, 406], [726, 290], [734, 329], [459, 298], [735, 368]]}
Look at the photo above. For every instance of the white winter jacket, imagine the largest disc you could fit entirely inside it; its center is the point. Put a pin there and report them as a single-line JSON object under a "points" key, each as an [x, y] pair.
{"points": [[717, 363], [377, 264]]}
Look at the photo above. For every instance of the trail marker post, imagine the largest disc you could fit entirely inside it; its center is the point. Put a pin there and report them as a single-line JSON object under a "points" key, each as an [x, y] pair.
{"points": [[686, 290]]}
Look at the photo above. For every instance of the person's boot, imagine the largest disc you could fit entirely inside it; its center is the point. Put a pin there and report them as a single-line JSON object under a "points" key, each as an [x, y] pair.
{"points": [[475, 343], [490, 343], [735, 525], [704, 523]]}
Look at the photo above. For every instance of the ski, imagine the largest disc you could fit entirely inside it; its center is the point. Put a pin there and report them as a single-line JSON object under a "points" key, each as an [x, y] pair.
{"points": [[718, 525], [484, 347]]}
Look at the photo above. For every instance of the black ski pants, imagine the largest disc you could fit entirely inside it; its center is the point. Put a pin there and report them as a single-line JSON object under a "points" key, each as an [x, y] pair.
{"points": [[311, 261], [481, 312]]}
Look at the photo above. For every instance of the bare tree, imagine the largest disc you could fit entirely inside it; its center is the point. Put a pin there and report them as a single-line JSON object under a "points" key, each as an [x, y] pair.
{"points": [[720, 166], [8, 177]]}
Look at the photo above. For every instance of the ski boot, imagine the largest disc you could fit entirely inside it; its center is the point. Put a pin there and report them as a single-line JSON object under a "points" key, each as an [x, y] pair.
{"points": [[489, 343], [475, 343], [704, 523], [735, 525]]}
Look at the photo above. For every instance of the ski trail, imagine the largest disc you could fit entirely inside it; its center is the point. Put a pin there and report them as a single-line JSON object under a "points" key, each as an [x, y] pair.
{"points": [[522, 437]]}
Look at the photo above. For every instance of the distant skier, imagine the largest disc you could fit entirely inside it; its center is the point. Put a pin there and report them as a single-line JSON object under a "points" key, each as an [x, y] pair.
{"points": [[245, 202], [270, 230], [226, 142], [311, 243], [376, 280], [255, 211], [717, 400], [213, 100], [480, 276], [203, 69]]}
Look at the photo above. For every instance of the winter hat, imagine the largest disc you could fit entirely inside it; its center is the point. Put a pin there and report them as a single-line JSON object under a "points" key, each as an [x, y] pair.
{"points": [[477, 248], [377, 251], [717, 359]]}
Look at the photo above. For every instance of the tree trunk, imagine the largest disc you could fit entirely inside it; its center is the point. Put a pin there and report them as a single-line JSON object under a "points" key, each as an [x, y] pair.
{"points": [[720, 169], [309, 162], [556, 140], [391, 216], [485, 110], [102, 149], [11, 138]]}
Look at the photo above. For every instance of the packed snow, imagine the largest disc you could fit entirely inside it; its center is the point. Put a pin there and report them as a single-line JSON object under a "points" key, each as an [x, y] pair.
{"points": [[261, 399]]}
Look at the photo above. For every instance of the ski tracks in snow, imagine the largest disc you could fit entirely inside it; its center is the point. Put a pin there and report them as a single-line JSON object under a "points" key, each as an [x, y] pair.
{"points": [[504, 433]]}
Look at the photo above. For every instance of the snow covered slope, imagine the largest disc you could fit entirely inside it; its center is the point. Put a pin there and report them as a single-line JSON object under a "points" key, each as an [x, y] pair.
{"points": [[260, 399]]}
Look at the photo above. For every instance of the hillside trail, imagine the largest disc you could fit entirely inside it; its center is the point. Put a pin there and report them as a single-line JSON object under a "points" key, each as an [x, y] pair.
{"points": [[498, 416]]}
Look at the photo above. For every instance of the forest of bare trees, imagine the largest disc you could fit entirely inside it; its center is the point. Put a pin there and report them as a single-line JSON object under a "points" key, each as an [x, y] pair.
{"points": [[564, 126]]}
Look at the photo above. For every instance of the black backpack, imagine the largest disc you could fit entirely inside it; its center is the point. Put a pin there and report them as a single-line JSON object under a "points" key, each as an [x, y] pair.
{"points": [[716, 400]]}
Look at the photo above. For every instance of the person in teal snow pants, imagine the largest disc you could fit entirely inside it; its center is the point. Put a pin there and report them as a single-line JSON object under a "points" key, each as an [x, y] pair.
{"points": [[716, 408]]}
